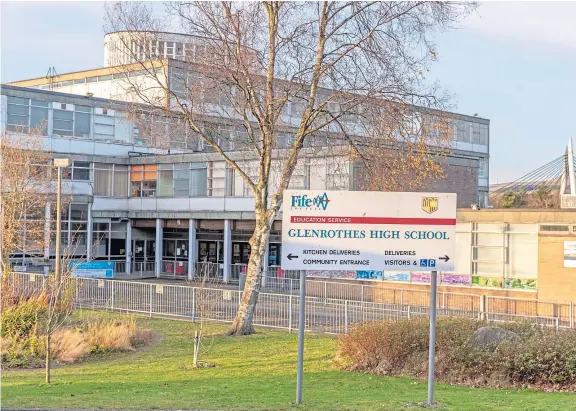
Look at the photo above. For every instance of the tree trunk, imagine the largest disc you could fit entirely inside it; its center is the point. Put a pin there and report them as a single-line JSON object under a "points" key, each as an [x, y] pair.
{"points": [[48, 357], [242, 324]]}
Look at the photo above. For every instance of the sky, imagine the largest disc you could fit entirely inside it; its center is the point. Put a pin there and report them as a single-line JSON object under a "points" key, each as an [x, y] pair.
{"points": [[510, 62]]}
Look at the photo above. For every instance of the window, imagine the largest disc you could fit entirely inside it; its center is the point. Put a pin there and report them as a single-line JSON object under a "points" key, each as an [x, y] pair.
{"points": [[103, 179], [120, 180], [82, 121], [483, 168], [285, 140], [461, 132], [337, 174], [297, 108], [110, 180], [189, 51], [166, 180], [182, 180], [475, 133], [81, 171], [39, 116], [170, 49], [484, 134], [63, 122], [18, 111], [143, 180], [104, 125], [548, 228], [178, 80], [77, 226], [38, 171], [179, 50], [21, 117], [198, 179]]}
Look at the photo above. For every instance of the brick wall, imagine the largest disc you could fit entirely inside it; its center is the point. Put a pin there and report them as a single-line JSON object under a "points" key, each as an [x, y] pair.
{"points": [[461, 180]]}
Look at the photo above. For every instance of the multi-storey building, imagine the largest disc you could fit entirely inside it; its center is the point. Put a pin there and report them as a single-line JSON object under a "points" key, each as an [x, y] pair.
{"points": [[162, 201]]}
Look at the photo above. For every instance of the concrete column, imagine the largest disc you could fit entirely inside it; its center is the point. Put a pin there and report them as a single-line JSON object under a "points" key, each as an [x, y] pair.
{"points": [[89, 230], [128, 247], [158, 254], [192, 249], [265, 262], [47, 236], [227, 250]]}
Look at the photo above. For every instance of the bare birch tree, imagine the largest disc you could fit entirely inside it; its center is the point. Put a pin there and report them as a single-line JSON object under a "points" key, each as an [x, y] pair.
{"points": [[312, 70], [25, 189]]}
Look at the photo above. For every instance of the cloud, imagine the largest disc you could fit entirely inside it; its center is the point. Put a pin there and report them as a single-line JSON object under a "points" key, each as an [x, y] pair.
{"points": [[533, 24]]}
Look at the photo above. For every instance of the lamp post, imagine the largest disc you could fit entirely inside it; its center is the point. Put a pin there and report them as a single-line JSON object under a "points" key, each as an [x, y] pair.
{"points": [[59, 163]]}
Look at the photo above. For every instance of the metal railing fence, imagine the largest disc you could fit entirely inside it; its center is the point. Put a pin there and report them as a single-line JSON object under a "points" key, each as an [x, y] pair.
{"points": [[326, 315]]}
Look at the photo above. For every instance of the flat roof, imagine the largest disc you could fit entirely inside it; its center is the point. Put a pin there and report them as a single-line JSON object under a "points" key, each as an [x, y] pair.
{"points": [[77, 75]]}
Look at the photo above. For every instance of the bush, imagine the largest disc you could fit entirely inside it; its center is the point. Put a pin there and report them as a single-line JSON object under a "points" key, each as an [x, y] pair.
{"points": [[22, 319], [114, 335], [23, 342], [22, 322], [69, 345], [542, 358]]}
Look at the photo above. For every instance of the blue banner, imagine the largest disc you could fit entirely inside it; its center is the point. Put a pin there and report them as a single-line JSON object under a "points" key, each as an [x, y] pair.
{"points": [[92, 269]]}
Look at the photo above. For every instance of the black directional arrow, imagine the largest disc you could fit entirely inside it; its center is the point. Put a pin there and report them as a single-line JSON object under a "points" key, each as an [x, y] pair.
{"points": [[290, 256], [445, 258]]}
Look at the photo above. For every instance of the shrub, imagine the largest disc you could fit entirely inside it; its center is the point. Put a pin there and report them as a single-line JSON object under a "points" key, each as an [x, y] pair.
{"points": [[69, 345], [116, 335], [23, 343], [542, 358], [23, 318], [22, 322]]}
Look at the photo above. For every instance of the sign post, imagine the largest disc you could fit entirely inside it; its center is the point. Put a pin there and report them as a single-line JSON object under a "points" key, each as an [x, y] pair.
{"points": [[301, 328], [432, 341], [367, 231]]}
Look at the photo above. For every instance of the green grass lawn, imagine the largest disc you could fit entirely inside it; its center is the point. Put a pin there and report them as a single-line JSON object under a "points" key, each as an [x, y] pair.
{"points": [[256, 372]]}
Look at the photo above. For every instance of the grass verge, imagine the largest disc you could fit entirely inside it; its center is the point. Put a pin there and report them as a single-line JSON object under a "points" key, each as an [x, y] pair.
{"points": [[256, 372]]}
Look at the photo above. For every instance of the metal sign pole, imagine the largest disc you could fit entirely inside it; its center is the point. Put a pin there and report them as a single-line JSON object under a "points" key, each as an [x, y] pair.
{"points": [[301, 327], [432, 350]]}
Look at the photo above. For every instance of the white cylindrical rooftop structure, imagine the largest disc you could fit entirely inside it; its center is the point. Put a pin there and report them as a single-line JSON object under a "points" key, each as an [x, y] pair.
{"points": [[125, 47]]}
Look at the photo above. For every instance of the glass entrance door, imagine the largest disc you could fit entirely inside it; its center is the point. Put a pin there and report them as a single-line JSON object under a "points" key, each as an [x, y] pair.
{"points": [[208, 251]]}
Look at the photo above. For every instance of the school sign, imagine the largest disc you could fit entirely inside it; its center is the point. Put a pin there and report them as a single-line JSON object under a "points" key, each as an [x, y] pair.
{"points": [[360, 230]]}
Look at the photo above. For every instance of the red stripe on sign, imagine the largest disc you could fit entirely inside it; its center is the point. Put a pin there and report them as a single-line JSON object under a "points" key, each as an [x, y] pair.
{"points": [[372, 220]]}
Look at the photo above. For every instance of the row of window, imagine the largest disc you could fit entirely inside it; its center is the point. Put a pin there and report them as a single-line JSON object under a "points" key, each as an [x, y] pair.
{"points": [[206, 179], [26, 115], [470, 132], [160, 49]]}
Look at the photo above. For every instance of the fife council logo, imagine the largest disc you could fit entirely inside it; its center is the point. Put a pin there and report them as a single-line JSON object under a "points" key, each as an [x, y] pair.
{"points": [[430, 204], [303, 202]]}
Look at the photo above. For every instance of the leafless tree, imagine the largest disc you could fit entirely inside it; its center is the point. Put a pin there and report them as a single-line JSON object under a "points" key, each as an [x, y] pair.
{"points": [[207, 296], [26, 187], [282, 75], [60, 295]]}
